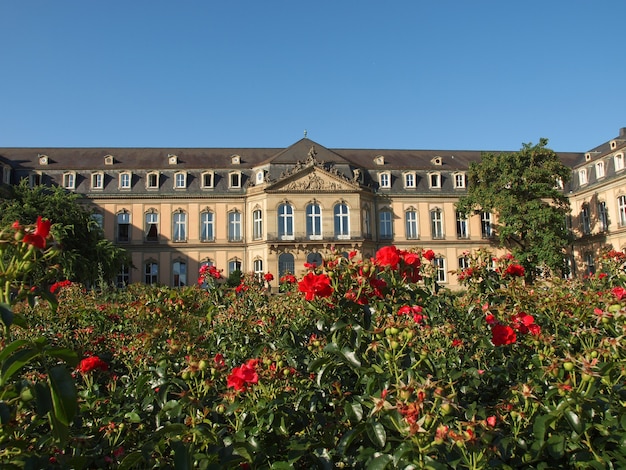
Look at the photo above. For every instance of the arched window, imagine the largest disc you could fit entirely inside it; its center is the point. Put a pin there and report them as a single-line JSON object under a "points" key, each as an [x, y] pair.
{"points": [[314, 221], [179, 273], [285, 264], [285, 222], [314, 258], [152, 226], [151, 273], [257, 224], [342, 221]]}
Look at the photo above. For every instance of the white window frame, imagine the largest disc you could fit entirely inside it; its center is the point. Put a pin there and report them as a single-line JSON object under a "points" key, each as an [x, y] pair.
{"points": [[234, 226], [384, 180], [621, 210], [341, 217], [206, 174], [440, 269], [207, 226], [257, 267], [151, 219], [234, 265], [149, 177], [285, 221], [436, 224], [314, 221], [97, 180], [180, 180], [231, 182], [459, 180], [410, 180], [179, 227], [462, 226], [411, 225], [123, 218], [600, 172], [603, 216], [618, 161], [257, 224], [151, 276], [434, 180], [486, 224], [69, 180], [179, 268], [582, 177], [126, 180], [585, 219], [385, 224]]}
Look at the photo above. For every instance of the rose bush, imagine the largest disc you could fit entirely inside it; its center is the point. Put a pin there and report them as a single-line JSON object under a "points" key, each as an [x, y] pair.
{"points": [[357, 363]]}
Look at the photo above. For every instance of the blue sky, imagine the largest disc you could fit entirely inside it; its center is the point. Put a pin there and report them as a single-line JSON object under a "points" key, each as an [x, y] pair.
{"points": [[408, 74]]}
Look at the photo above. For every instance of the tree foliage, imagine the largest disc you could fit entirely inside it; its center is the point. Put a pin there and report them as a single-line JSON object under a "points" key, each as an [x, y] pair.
{"points": [[521, 189], [86, 255]]}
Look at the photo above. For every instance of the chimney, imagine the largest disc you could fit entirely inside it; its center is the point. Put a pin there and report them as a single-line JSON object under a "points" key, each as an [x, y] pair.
{"points": [[622, 132]]}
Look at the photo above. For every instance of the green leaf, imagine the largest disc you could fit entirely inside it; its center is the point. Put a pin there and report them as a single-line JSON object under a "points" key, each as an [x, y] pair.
{"points": [[43, 398], [380, 462], [15, 362], [64, 395], [66, 355], [7, 314], [376, 433], [12, 346], [182, 456], [574, 421], [134, 459], [354, 411], [556, 446], [540, 426], [350, 357]]}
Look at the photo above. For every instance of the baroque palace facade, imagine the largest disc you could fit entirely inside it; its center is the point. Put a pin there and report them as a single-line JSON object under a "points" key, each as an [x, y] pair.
{"points": [[273, 209]]}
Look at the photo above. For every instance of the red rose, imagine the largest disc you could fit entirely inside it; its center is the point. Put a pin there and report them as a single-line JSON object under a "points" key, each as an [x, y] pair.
{"points": [[38, 237], [240, 377], [619, 292], [514, 270], [429, 255], [315, 285], [92, 363], [269, 277], [502, 335], [388, 256]]}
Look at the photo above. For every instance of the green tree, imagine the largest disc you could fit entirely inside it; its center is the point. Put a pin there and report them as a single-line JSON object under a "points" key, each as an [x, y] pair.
{"points": [[521, 188], [86, 255]]}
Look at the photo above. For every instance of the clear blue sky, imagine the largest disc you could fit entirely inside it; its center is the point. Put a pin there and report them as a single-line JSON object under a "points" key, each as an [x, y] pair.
{"points": [[408, 74]]}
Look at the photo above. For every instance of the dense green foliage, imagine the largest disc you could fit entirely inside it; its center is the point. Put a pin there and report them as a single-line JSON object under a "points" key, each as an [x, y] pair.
{"points": [[521, 188], [374, 371], [86, 255]]}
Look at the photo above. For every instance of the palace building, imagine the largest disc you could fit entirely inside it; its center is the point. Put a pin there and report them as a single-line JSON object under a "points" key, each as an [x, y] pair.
{"points": [[273, 209]]}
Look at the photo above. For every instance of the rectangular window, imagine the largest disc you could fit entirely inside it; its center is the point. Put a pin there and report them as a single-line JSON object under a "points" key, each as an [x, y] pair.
{"points": [[486, 228], [461, 226], [459, 180], [123, 277], [603, 216], [69, 180], [411, 225], [314, 222], [464, 262], [207, 180], [409, 180], [582, 176], [97, 181], [257, 224], [619, 162], [233, 266], [367, 222], [258, 269], [207, 227], [436, 224], [152, 227], [440, 265], [179, 232], [153, 180], [180, 180], [385, 180], [386, 225], [125, 180], [179, 273], [599, 170], [585, 220], [621, 210], [435, 180], [123, 227], [234, 227], [235, 180], [151, 273], [342, 221]]}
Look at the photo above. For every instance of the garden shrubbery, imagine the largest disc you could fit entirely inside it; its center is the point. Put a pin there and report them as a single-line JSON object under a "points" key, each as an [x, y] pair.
{"points": [[356, 364]]}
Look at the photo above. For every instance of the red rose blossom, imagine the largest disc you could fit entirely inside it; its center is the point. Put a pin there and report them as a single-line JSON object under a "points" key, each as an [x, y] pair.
{"points": [[92, 363], [240, 377], [429, 255], [38, 237], [502, 335], [269, 277], [514, 270], [315, 285], [388, 256]]}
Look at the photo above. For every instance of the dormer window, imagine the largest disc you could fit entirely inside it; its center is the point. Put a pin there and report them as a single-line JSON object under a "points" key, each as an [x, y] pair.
{"points": [[180, 180], [613, 144], [558, 182], [208, 179], [582, 176], [618, 160], [234, 180], [587, 157], [436, 161], [260, 177], [43, 159], [434, 180], [125, 180], [152, 180], [172, 159], [379, 160], [599, 170], [35, 179], [69, 180], [235, 160], [97, 180], [108, 160], [459, 180], [384, 180], [409, 180]]}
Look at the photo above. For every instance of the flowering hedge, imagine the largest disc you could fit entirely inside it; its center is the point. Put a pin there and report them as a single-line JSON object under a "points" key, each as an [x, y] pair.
{"points": [[356, 364]]}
